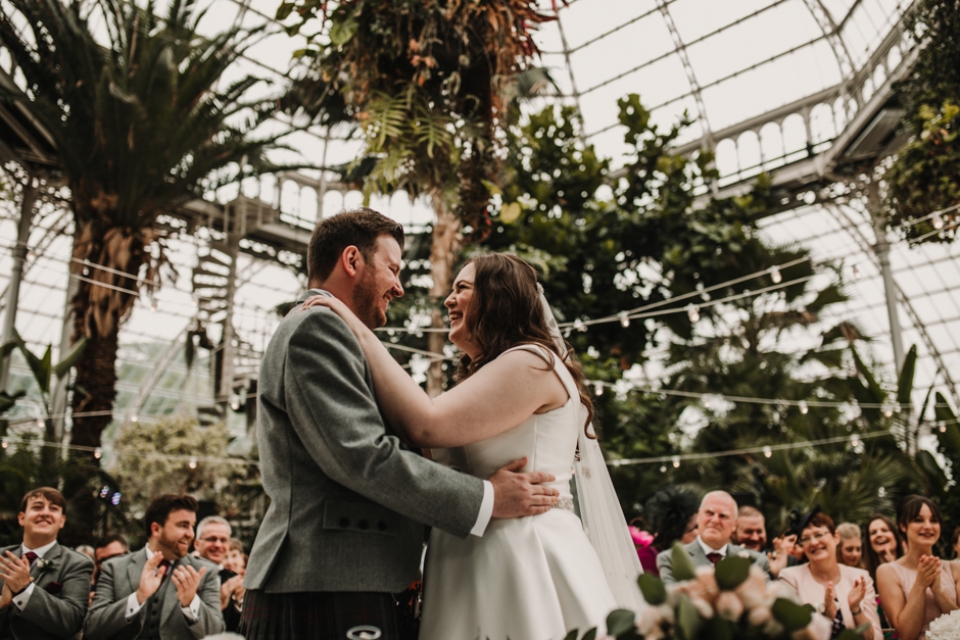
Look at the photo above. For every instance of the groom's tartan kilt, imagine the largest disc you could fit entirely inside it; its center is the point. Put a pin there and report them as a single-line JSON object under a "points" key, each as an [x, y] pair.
{"points": [[316, 615]]}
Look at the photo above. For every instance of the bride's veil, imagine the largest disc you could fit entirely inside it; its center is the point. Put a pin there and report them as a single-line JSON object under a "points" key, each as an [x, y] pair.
{"points": [[600, 511]]}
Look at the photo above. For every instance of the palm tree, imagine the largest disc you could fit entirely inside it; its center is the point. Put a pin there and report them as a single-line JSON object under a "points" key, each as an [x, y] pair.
{"points": [[142, 124]]}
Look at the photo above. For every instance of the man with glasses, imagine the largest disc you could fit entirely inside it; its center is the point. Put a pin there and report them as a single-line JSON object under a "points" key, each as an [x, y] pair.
{"points": [[716, 523], [213, 544]]}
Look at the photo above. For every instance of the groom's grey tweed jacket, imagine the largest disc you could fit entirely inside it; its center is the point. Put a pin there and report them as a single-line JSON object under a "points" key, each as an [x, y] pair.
{"points": [[348, 500]]}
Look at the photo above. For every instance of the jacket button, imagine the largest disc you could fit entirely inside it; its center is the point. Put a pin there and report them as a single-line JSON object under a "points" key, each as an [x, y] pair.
{"points": [[382, 526], [344, 522], [363, 525]]}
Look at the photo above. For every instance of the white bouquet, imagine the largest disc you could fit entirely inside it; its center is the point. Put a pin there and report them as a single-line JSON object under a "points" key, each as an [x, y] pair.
{"points": [[946, 627]]}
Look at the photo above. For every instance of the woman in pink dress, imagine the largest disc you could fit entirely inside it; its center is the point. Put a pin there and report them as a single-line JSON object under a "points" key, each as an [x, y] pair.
{"points": [[844, 595], [918, 588]]}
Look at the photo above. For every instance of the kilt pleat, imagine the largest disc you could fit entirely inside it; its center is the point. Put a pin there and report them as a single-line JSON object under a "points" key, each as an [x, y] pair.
{"points": [[316, 615]]}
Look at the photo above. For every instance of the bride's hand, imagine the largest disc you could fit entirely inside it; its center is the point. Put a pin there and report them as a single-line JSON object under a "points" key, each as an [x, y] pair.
{"points": [[338, 307]]}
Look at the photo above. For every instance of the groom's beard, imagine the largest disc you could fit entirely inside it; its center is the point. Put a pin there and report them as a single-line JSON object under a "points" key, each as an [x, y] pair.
{"points": [[366, 301]]}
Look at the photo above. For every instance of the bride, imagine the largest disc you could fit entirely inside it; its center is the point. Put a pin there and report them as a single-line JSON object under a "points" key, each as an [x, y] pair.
{"points": [[519, 393]]}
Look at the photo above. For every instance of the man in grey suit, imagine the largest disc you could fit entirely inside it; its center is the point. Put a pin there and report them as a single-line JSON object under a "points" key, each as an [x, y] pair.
{"points": [[160, 592], [345, 529], [44, 586], [716, 522]]}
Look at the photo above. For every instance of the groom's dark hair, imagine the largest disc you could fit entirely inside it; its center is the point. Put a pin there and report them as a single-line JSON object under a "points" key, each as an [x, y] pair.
{"points": [[357, 227]]}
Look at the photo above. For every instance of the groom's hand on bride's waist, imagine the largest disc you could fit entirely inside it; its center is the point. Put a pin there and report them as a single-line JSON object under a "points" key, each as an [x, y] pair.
{"points": [[518, 494]]}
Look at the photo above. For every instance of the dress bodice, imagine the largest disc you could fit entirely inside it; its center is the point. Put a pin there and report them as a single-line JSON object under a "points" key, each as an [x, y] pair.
{"points": [[931, 610], [548, 440]]}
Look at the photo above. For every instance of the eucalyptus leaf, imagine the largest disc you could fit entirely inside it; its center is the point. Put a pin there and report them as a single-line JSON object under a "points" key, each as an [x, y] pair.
{"points": [[732, 571], [284, 10], [790, 614], [652, 588], [688, 619], [620, 621], [683, 568], [716, 628], [573, 635], [590, 635]]}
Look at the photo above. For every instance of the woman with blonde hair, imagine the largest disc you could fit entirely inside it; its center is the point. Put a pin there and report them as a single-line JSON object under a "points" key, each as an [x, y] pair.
{"points": [[850, 549]]}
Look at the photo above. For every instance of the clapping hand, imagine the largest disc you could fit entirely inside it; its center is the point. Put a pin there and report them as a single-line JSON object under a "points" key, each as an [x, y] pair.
{"points": [[187, 579], [830, 602], [15, 572], [228, 589], [150, 578], [857, 592], [928, 573]]}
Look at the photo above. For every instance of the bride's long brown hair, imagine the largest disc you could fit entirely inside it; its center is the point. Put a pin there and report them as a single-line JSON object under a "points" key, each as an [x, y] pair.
{"points": [[505, 311]]}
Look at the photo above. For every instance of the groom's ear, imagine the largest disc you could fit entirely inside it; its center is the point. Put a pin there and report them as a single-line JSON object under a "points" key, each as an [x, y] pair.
{"points": [[350, 259]]}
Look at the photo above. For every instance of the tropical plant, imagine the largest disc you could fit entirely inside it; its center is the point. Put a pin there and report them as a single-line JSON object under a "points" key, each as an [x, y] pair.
{"points": [[922, 178], [142, 123], [428, 84]]}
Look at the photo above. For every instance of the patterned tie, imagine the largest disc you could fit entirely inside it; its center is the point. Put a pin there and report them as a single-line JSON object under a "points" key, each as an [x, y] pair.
{"points": [[714, 557], [31, 557]]}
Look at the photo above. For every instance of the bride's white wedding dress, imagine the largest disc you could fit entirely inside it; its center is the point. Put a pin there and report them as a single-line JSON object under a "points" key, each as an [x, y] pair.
{"points": [[533, 578]]}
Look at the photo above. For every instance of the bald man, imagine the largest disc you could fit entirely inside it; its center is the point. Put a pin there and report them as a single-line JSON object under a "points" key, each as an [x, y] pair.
{"points": [[716, 522]]}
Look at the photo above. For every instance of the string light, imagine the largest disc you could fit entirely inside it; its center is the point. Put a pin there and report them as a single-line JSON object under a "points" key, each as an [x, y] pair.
{"points": [[804, 409], [624, 319], [663, 468], [693, 312], [192, 463], [775, 275], [676, 462], [97, 453], [4, 443], [134, 418], [767, 451], [579, 325], [40, 423], [937, 221], [598, 389]]}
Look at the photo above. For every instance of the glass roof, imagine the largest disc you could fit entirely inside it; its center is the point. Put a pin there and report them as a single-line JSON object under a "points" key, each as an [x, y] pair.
{"points": [[774, 85]]}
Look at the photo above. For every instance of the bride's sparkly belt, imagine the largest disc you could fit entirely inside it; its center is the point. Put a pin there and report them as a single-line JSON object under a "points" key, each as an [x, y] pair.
{"points": [[565, 503]]}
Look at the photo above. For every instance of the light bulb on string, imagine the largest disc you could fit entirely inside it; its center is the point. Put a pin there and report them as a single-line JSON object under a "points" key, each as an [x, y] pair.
{"points": [[888, 410], [4, 443], [624, 319], [676, 462], [855, 443], [775, 275], [663, 467], [767, 451], [579, 326], [40, 423], [804, 409], [937, 221], [598, 389], [943, 428], [97, 453], [693, 312], [192, 463]]}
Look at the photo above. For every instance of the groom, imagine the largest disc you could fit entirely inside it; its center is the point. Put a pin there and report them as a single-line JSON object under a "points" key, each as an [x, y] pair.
{"points": [[344, 531]]}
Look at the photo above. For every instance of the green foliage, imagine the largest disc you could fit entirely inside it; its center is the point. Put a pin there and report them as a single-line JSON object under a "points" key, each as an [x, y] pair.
{"points": [[923, 176], [682, 564], [731, 572]]}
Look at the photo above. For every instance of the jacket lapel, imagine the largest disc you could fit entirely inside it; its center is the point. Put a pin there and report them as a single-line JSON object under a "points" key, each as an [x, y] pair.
{"points": [[696, 554], [135, 564], [41, 571]]}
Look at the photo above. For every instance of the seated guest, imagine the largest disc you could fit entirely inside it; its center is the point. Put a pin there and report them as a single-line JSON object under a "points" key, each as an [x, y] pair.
{"points": [[850, 551], [716, 521], [44, 585], [108, 547], [213, 544], [236, 559], [918, 588], [159, 592], [672, 514], [751, 531], [884, 544], [842, 594]]}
